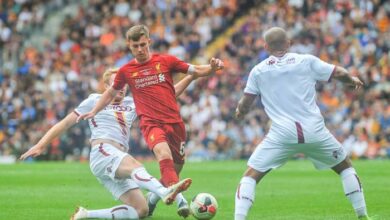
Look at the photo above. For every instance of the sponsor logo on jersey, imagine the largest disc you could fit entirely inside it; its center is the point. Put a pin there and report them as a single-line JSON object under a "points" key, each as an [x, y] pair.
{"points": [[146, 71], [161, 77], [119, 108], [270, 62], [290, 60]]}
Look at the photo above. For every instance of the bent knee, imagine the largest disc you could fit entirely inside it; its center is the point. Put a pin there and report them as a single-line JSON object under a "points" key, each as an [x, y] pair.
{"points": [[162, 151], [143, 211], [256, 175]]}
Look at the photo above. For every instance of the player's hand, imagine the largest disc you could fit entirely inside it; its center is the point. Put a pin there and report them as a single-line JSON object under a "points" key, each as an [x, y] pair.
{"points": [[85, 116], [356, 82], [239, 115], [32, 152], [216, 64]]}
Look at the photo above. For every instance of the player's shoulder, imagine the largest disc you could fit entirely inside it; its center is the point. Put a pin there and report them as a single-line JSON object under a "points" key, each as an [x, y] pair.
{"points": [[262, 66], [128, 101], [94, 96], [304, 57], [128, 65]]}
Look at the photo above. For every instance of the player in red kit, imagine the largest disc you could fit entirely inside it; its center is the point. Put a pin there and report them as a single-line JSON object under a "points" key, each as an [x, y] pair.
{"points": [[149, 77]]}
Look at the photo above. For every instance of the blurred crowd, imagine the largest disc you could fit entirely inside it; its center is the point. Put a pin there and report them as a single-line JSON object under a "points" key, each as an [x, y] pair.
{"points": [[47, 84]]}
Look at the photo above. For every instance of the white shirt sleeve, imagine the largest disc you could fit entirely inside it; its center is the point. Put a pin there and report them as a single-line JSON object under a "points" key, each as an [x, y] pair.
{"points": [[252, 85], [86, 105], [321, 71]]}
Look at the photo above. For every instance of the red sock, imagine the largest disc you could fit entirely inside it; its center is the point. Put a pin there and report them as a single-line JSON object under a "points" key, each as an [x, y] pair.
{"points": [[168, 172]]}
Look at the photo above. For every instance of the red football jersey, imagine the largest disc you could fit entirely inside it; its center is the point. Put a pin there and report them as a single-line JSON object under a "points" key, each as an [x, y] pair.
{"points": [[151, 85]]}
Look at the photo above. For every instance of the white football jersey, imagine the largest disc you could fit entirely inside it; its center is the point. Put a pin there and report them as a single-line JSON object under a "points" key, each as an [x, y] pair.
{"points": [[287, 89], [113, 122]]}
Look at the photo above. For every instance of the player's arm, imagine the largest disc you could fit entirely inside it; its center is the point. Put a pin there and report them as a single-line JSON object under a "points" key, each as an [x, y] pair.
{"points": [[205, 70], [183, 84], [104, 100], [341, 74], [244, 105], [52, 133]]}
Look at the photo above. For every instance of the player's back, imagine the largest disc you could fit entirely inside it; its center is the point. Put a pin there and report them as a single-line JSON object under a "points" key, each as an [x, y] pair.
{"points": [[287, 88]]}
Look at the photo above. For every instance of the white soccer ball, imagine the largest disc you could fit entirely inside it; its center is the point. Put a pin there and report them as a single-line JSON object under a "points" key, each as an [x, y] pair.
{"points": [[204, 206]]}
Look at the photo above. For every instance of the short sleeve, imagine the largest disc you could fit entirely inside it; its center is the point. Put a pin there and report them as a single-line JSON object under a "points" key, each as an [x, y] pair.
{"points": [[119, 80], [252, 85], [321, 71], [176, 65], [85, 106]]}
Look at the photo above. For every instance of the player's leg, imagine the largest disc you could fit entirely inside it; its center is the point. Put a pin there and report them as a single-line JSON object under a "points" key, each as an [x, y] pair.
{"points": [[134, 203], [245, 194], [134, 207], [175, 133], [129, 167], [352, 186], [157, 140], [329, 153], [267, 156], [182, 204], [183, 208], [164, 157], [177, 137]]}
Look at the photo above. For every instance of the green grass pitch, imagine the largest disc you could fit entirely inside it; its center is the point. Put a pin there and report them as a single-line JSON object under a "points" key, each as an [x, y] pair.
{"points": [[295, 191]]}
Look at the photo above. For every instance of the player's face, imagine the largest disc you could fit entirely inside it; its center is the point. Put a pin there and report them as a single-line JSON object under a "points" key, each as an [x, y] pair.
{"points": [[122, 93], [140, 48]]}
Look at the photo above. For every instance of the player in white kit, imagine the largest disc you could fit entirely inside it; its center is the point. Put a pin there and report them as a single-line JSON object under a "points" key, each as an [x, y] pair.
{"points": [[286, 83], [114, 168]]}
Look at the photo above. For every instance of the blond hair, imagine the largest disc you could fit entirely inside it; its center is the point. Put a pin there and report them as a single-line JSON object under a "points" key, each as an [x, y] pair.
{"points": [[107, 75], [136, 32]]}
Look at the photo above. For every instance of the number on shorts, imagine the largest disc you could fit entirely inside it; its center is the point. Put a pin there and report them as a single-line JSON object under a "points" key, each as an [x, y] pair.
{"points": [[182, 148]]}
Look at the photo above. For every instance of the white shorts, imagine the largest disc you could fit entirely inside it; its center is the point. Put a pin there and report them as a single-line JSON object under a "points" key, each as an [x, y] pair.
{"points": [[270, 155], [104, 161]]}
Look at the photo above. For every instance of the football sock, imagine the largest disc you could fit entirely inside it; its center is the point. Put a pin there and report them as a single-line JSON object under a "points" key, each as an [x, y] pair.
{"points": [[354, 191], [148, 182], [117, 212], [168, 172], [180, 198], [154, 198], [244, 197]]}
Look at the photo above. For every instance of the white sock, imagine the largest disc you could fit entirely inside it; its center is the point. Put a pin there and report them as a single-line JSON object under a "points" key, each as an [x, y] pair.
{"points": [[148, 182], [354, 191], [154, 198], [244, 197], [180, 198], [117, 212]]}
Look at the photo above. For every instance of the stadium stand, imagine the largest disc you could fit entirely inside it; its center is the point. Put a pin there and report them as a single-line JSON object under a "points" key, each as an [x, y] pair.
{"points": [[48, 82]]}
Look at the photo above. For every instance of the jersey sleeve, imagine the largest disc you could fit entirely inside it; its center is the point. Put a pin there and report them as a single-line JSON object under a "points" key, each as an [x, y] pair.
{"points": [[321, 71], [119, 80], [252, 85], [86, 105], [176, 65]]}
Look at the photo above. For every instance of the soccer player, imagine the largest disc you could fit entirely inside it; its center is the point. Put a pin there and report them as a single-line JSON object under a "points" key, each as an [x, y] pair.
{"points": [[114, 168], [150, 79], [286, 83]]}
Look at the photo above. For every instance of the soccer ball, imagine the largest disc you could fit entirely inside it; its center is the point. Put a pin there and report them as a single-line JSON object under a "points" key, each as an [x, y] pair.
{"points": [[204, 206]]}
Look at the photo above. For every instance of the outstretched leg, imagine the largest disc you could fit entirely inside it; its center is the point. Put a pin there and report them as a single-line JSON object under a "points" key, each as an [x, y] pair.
{"points": [[352, 186], [130, 167], [134, 207]]}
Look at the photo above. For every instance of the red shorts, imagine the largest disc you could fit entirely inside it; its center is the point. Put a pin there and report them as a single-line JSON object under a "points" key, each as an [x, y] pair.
{"points": [[172, 133]]}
